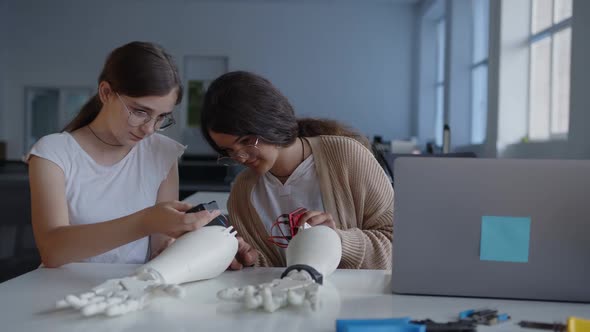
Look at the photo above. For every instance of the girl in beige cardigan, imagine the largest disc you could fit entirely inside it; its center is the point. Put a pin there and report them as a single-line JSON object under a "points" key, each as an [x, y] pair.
{"points": [[246, 119]]}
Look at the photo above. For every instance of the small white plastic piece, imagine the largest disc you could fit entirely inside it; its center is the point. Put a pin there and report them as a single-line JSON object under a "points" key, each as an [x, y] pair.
{"points": [[318, 247], [198, 255]]}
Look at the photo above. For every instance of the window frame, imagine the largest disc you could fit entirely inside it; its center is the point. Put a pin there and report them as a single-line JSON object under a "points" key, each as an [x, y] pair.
{"points": [[63, 116], [475, 65], [438, 83]]}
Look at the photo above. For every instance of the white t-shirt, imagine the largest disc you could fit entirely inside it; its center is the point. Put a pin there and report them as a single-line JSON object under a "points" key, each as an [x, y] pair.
{"points": [[271, 198], [97, 193]]}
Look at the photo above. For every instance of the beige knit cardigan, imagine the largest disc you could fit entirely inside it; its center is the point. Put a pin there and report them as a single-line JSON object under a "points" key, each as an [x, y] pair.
{"points": [[355, 191]]}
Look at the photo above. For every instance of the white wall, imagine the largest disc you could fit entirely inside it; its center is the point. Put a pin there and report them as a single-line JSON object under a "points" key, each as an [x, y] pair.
{"points": [[347, 60]]}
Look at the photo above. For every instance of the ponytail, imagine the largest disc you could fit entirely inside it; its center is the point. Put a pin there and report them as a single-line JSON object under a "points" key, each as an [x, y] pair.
{"points": [[86, 115], [309, 127]]}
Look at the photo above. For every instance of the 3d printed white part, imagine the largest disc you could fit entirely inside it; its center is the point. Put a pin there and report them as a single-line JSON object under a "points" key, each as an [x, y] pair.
{"points": [[318, 247], [201, 254]]}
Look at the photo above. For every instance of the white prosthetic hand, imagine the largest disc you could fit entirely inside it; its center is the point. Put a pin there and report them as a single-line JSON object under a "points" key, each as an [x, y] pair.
{"points": [[202, 254], [313, 254]]}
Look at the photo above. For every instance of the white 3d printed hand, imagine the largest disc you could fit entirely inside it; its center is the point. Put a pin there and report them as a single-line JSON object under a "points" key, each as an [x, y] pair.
{"points": [[313, 254], [198, 255], [119, 296], [295, 289]]}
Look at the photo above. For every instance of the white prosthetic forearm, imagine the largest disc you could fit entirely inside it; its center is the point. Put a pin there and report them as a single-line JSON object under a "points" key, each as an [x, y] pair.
{"points": [[313, 254], [198, 255], [319, 248]]}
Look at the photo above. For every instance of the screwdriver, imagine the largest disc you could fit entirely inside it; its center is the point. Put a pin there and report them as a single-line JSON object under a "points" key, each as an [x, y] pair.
{"points": [[574, 324]]}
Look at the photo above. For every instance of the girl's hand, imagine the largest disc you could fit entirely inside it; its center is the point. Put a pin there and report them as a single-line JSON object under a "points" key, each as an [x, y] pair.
{"points": [[169, 218], [314, 218], [246, 255]]}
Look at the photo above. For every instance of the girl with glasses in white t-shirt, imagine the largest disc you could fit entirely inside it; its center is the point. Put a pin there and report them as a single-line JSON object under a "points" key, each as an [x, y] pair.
{"points": [[105, 189]]}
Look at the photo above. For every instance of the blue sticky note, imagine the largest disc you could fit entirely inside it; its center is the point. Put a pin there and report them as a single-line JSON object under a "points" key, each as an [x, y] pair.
{"points": [[505, 239]]}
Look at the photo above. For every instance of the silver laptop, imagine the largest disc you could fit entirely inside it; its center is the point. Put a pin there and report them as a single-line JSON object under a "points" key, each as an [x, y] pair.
{"points": [[492, 228]]}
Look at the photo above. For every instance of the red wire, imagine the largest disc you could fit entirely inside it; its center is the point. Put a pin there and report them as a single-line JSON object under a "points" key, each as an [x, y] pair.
{"points": [[281, 240]]}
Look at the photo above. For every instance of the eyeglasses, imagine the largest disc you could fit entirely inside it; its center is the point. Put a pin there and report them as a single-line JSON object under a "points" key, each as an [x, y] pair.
{"points": [[246, 154], [139, 118]]}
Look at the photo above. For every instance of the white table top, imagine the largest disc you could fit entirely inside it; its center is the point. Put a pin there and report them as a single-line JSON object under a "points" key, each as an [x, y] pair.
{"points": [[26, 304], [208, 196]]}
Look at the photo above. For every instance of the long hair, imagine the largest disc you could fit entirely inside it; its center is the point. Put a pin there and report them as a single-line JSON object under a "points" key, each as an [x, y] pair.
{"points": [[241, 103], [136, 69]]}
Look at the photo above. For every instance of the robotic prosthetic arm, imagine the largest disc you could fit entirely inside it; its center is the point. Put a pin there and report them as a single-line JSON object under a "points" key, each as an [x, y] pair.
{"points": [[202, 254], [313, 254]]}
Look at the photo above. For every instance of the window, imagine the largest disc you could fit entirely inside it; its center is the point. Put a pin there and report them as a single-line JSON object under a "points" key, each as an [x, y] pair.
{"points": [[196, 93], [200, 71], [49, 109], [479, 71], [440, 82], [549, 76]]}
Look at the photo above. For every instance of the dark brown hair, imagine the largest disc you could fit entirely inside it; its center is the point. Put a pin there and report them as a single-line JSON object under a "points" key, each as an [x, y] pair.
{"points": [[137, 69], [241, 103]]}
